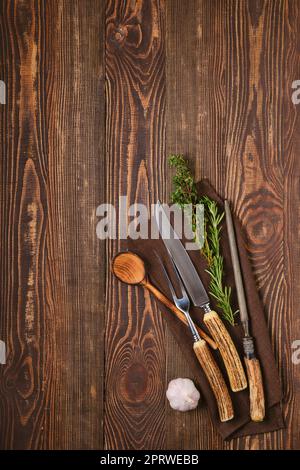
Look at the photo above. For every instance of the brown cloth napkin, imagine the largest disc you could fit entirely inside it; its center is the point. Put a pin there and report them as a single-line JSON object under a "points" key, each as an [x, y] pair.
{"points": [[241, 425]]}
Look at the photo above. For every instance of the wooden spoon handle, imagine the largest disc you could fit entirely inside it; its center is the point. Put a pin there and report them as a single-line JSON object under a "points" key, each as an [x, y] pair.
{"points": [[232, 361], [257, 398], [216, 380], [164, 300]]}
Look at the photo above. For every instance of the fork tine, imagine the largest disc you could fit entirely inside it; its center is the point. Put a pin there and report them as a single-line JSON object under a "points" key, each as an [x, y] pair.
{"points": [[167, 276], [183, 291]]}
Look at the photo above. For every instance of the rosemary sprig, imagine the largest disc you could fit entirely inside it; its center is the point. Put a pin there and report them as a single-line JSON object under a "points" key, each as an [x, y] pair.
{"points": [[184, 193], [211, 251]]}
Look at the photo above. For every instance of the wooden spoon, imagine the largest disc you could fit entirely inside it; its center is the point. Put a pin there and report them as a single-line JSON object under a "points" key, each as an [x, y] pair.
{"points": [[129, 268]]}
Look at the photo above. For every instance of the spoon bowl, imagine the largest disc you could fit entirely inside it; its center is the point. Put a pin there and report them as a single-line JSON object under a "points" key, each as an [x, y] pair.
{"points": [[129, 268]]}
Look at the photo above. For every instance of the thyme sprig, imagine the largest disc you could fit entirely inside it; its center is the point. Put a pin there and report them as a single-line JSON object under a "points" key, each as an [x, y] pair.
{"points": [[185, 192]]}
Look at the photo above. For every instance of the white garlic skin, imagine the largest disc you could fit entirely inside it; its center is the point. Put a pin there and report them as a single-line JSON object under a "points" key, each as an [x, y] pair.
{"points": [[182, 394]]}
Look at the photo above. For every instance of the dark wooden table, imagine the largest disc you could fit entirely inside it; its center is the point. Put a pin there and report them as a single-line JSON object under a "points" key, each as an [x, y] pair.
{"points": [[98, 94]]}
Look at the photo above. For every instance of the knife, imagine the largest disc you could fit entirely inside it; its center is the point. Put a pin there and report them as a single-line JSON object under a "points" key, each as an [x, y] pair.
{"points": [[201, 350], [199, 297], [257, 399]]}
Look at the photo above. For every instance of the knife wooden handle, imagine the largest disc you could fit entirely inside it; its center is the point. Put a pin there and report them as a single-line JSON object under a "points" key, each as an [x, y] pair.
{"points": [[232, 361], [216, 380], [164, 300], [257, 398]]}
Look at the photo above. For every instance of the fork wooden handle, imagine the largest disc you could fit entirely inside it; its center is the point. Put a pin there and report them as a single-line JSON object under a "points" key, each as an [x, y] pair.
{"points": [[164, 300], [232, 361], [216, 380]]}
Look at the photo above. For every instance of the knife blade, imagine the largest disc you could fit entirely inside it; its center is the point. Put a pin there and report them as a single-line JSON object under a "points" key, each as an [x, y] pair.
{"points": [[187, 270], [199, 297], [237, 270]]}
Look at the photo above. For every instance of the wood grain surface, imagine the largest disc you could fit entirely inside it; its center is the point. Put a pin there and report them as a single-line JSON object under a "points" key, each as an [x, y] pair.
{"points": [[135, 145], [98, 94], [52, 160]]}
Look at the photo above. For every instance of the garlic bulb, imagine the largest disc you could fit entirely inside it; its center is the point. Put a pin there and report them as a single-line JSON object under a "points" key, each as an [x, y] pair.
{"points": [[182, 394]]}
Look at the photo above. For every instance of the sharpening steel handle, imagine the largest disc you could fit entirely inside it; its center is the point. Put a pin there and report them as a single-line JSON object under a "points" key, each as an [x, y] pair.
{"points": [[230, 356], [257, 398], [215, 379]]}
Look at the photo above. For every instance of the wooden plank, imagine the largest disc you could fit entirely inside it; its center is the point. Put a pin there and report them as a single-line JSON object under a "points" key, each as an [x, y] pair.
{"points": [[291, 223], [255, 81], [23, 223], [52, 180], [135, 104], [184, 430], [195, 118]]}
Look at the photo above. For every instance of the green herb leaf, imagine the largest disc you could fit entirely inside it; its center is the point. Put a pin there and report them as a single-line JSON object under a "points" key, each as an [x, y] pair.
{"points": [[184, 193]]}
